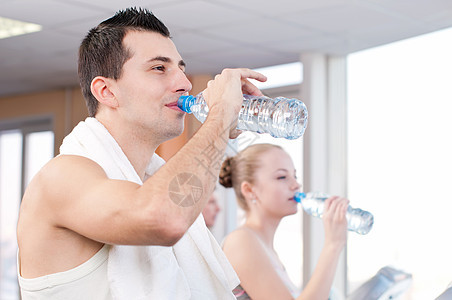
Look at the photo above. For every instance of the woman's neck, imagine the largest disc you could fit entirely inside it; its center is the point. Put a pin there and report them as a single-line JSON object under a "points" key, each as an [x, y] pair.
{"points": [[265, 228]]}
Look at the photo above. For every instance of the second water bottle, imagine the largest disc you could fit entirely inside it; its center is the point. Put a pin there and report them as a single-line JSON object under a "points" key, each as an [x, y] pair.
{"points": [[280, 117], [358, 220]]}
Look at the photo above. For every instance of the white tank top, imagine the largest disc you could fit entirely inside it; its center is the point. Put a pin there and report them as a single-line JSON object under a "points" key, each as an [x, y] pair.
{"points": [[87, 281]]}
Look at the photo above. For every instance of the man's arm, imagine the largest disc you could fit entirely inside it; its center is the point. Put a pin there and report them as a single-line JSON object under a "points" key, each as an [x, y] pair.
{"points": [[84, 200]]}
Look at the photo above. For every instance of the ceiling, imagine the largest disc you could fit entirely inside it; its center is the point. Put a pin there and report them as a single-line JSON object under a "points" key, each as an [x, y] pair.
{"points": [[211, 34]]}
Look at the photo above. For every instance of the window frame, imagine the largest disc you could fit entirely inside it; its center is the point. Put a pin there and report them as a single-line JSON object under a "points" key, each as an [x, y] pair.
{"points": [[26, 126]]}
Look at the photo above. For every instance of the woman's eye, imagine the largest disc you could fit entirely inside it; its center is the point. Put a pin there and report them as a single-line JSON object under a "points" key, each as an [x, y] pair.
{"points": [[282, 177]]}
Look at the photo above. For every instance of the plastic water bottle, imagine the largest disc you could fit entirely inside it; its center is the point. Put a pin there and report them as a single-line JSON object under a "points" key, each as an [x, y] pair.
{"points": [[280, 117], [358, 220]]}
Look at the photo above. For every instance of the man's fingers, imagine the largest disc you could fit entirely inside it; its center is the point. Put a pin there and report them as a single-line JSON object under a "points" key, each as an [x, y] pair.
{"points": [[248, 73], [233, 134], [250, 89]]}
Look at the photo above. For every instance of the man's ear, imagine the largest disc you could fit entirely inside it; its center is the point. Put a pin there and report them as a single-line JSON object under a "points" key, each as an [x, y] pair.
{"points": [[100, 88]]}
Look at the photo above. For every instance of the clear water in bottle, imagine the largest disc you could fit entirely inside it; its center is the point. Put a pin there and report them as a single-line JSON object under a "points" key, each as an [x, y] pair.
{"points": [[200, 110], [358, 220], [313, 204], [280, 117]]}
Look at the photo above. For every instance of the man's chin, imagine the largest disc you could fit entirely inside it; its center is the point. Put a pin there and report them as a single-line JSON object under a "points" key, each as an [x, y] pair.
{"points": [[176, 132]]}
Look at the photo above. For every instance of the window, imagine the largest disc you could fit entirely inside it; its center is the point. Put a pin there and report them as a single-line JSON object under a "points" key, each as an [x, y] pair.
{"points": [[10, 195], [400, 161], [24, 148]]}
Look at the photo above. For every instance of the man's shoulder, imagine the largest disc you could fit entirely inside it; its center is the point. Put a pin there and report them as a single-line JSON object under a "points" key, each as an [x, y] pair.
{"points": [[60, 174], [52, 190], [69, 165]]}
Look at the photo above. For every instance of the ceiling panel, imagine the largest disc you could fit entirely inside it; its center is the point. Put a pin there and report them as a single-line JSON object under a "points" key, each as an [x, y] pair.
{"points": [[211, 34], [198, 14], [196, 43], [47, 13], [256, 31], [282, 7], [43, 43], [341, 19]]}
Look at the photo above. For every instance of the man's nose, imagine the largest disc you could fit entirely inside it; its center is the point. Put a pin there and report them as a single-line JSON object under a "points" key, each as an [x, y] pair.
{"points": [[183, 83]]}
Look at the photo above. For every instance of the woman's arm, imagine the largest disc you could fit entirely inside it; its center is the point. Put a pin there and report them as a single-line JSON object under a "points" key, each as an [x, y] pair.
{"points": [[257, 274], [335, 224]]}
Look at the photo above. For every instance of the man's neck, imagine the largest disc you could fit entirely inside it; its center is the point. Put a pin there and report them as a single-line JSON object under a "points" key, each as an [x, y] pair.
{"points": [[138, 149]]}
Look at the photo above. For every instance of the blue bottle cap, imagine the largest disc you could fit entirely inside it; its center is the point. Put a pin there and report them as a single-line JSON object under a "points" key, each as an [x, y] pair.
{"points": [[185, 102], [298, 196]]}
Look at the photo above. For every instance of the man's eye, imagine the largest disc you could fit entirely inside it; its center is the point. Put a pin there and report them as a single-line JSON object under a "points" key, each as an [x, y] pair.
{"points": [[282, 177], [159, 68]]}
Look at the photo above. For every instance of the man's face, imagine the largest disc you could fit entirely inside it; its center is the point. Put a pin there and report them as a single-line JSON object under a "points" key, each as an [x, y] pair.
{"points": [[151, 82]]}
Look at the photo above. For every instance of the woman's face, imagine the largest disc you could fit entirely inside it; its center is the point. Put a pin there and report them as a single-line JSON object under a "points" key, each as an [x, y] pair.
{"points": [[276, 183]]}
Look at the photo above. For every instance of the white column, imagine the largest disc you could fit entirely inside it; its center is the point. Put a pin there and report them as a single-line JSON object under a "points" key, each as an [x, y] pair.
{"points": [[337, 139], [314, 95], [324, 92]]}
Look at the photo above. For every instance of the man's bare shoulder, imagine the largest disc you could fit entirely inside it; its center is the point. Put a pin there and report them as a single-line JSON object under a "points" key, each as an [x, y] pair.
{"points": [[48, 194], [59, 177], [70, 165], [48, 201], [65, 169]]}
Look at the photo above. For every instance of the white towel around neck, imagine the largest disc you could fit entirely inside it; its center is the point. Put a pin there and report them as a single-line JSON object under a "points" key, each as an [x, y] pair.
{"points": [[194, 268]]}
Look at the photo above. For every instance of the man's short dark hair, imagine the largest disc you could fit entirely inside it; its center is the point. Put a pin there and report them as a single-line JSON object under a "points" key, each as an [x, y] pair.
{"points": [[102, 52]]}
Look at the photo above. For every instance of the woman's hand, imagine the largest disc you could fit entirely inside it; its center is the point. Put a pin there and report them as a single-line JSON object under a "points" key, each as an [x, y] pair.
{"points": [[334, 221], [335, 224]]}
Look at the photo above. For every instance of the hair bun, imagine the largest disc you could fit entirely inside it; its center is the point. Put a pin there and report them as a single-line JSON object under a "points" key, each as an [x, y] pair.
{"points": [[226, 173]]}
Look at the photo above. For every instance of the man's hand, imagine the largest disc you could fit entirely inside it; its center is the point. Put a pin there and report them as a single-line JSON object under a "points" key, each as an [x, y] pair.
{"points": [[224, 95]]}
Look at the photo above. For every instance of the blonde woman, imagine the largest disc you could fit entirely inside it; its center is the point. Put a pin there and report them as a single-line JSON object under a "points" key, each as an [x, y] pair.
{"points": [[264, 180]]}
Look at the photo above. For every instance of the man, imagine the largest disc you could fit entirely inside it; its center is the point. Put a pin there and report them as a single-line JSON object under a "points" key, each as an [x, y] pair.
{"points": [[107, 188]]}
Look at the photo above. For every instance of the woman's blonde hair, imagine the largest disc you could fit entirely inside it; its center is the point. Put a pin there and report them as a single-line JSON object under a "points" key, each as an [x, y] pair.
{"points": [[242, 167]]}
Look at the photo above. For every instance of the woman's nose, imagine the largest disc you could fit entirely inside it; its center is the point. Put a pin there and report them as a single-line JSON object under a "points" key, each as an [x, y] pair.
{"points": [[296, 185]]}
